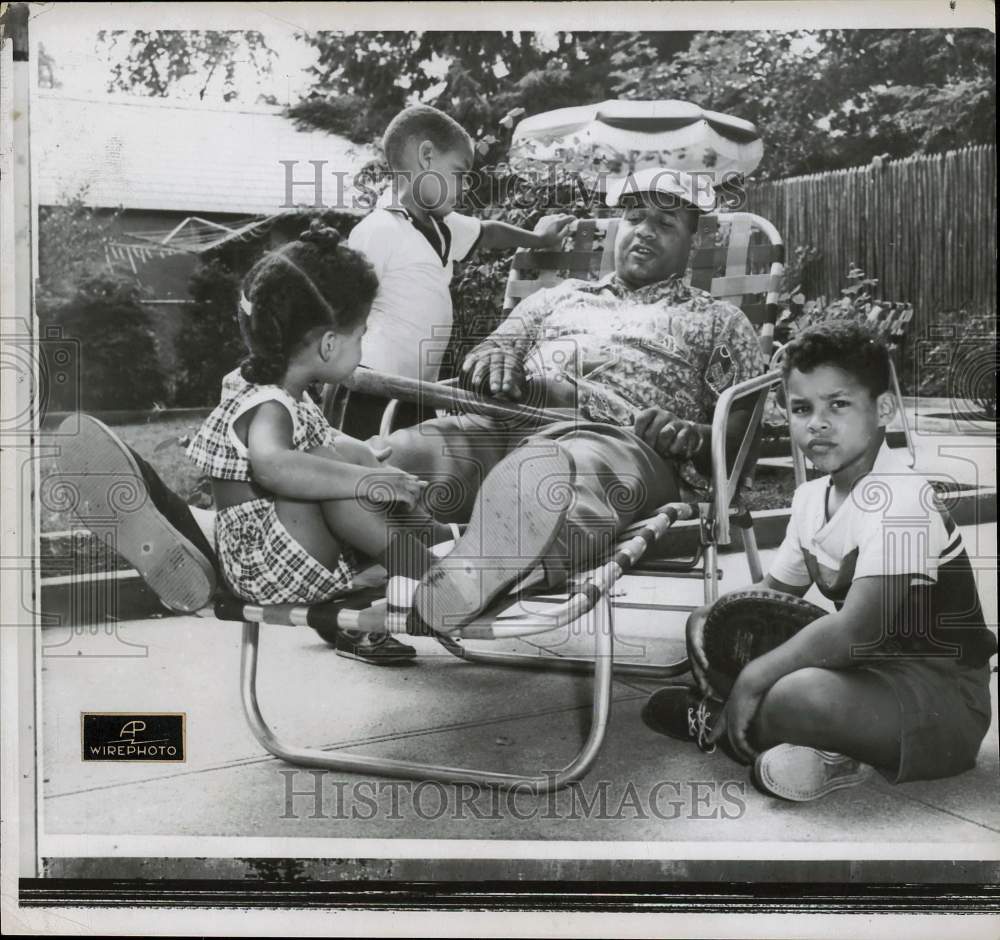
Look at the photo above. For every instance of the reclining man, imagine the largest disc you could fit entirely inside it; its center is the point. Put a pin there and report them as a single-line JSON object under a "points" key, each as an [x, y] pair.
{"points": [[637, 358]]}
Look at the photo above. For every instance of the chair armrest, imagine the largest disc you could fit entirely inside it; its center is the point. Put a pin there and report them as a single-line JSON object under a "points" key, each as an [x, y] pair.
{"points": [[724, 482]]}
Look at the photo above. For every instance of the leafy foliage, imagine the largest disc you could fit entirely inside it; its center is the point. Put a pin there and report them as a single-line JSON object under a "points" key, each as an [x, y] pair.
{"points": [[363, 79], [119, 366], [72, 240], [834, 98], [101, 310], [210, 345], [155, 62], [822, 99]]}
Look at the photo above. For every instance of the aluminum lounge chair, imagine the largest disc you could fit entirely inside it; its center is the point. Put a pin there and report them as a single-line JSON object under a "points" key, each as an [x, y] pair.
{"points": [[588, 595]]}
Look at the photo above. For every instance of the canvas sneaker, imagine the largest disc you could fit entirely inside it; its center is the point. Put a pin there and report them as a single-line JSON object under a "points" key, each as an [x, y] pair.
{"points": [[682, 712], [798, 773]]}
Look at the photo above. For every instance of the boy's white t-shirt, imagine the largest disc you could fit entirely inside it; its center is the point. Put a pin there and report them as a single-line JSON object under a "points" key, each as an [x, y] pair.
{"points": [[890, 524], [411, 318]]}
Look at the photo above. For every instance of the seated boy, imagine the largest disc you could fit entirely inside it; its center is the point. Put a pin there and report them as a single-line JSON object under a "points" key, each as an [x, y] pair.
{"points": [[412, 238], [897, 678]]}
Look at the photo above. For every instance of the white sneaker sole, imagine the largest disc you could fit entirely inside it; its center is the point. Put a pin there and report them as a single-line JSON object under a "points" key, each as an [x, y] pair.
{"points": [[801, 774], [110, 492]]}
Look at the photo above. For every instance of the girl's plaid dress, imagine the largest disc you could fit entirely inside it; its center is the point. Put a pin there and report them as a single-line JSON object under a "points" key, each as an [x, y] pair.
{"points": [[261, 561]]}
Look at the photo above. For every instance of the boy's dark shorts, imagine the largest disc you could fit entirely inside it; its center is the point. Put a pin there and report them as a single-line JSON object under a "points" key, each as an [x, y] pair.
{"points": [[944, 715]]}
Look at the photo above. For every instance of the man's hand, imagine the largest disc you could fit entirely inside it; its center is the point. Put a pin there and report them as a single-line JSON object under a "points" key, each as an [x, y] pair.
{"points": [[667, 434], [550, 230], [552, 389], [496, 370]]}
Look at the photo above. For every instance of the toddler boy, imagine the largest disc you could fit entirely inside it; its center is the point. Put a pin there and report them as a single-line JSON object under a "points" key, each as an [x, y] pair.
{"points": [[412, 238]]}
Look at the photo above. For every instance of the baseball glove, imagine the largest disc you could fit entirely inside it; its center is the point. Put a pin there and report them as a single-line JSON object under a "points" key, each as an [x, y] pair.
{"points": [[747, 624]]}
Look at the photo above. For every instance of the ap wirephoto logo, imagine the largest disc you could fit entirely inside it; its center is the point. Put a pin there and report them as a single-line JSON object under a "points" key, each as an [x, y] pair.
{"points": [[124, 736]]}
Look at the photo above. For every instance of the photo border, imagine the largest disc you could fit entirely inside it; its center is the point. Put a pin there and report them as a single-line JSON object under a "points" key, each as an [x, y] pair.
{"points": [[897, 885]]}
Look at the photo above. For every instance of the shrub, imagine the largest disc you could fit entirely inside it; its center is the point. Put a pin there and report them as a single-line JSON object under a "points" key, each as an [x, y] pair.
{"points": [[210, 345], [519, 199], [957, 358], [72, 243], [119, 367]]}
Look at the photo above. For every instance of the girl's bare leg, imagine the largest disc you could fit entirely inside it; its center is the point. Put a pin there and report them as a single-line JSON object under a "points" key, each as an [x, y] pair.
{"points": [[323, 529]]}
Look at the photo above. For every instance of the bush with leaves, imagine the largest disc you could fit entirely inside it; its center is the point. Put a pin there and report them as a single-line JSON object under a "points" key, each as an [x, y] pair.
{"points": [[479, 284], [119, 367], [72, 242], [957, 359], [856, 301], [210, 344]]}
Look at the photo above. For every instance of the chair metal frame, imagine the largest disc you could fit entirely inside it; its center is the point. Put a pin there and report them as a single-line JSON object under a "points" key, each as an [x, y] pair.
{"points": [[588, 595]]}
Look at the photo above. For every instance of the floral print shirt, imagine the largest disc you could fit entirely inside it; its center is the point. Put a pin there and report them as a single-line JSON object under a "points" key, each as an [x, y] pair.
{"points": [[666, 345]]}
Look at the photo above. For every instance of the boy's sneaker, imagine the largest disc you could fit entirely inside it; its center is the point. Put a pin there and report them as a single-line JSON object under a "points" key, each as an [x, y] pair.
{"points": [[153, 528], [379, 649], [798, 773], [682, 712]]}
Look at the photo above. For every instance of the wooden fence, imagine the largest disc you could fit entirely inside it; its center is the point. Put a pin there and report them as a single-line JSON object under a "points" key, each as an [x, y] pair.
{"points": [[926, 227]]}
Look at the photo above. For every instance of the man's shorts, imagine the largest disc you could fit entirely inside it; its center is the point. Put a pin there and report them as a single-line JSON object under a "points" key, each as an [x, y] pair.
{"points": [[944, 715]]}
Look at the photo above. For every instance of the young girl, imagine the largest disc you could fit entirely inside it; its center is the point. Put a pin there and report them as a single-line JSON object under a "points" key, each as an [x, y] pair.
{"points": [[298, 501]]}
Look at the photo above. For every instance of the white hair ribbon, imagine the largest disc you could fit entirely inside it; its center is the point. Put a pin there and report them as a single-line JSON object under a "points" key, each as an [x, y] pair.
{"points": [[245, 305]]}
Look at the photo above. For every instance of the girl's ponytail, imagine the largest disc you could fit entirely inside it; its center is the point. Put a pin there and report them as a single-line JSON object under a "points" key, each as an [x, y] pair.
{"points": [[263, 370], [268, 357], [321, 235]]}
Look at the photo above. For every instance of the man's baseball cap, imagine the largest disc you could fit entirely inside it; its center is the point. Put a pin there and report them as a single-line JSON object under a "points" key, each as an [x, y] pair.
{"points": [[667, 188]]}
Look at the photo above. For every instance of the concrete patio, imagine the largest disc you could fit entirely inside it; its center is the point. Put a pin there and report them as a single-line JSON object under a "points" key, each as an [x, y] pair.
{"points": [[443, 710], [644, 789]]}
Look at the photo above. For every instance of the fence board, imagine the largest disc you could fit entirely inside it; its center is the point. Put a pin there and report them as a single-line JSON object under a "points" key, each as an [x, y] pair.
{"points": [[926, 226]]}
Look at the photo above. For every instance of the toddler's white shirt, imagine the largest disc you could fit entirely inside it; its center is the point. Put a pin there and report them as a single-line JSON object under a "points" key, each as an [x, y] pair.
{"points": [[411, 318]]}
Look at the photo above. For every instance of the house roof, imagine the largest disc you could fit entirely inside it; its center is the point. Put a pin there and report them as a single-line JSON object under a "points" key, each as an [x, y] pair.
{"points": [[158, 153]]}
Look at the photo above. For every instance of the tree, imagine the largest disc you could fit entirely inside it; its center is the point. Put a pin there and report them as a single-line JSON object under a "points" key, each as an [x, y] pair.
{"points": [[210, 345], [100, 309], [363, 79], [72, 242], [833, 98], [822, 99], [156, 62], [914, 91]]}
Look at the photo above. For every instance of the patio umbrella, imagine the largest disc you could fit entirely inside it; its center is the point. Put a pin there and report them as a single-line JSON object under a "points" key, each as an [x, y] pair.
{"points": [[615, 138]]}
